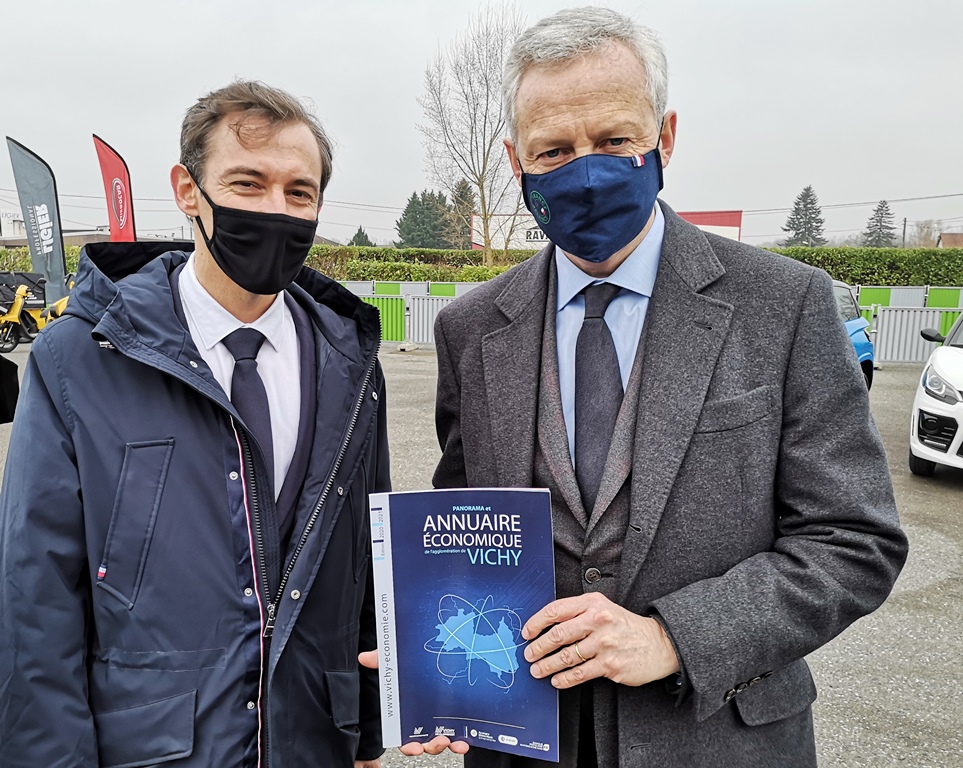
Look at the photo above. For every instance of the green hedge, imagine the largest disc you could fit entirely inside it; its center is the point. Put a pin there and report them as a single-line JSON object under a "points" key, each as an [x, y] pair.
{"points": [[857, 266], [18, 259], [331, 256], [885, 266]]}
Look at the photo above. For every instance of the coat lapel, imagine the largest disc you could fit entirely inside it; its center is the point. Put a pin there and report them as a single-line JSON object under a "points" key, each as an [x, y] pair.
{"points": [[684, 334], [511, 379], [552, 434]]}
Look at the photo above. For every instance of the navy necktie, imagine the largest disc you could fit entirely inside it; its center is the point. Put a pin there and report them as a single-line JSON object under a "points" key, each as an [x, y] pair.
{"points": [[598, 391], [247, 390]]}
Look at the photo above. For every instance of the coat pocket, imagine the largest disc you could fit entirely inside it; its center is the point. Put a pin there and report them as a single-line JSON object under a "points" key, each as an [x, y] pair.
{"points": [[148, 734], [138, 498], [734, 412], [344, 691]]}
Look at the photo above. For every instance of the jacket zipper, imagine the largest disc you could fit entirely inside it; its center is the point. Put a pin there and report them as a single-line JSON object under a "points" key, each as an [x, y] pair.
{"points": [[327, 488], [260, 556], [271, 606]]}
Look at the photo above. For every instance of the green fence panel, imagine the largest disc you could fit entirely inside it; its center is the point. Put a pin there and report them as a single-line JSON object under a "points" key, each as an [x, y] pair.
{"points": [[441, 289], [387, 289], [947, 320], [869, 295], [392, 316], [943, 298]]}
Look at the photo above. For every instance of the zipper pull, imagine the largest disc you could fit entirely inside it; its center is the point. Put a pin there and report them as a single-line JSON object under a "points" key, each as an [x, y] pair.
{"points": [[269, 624]]}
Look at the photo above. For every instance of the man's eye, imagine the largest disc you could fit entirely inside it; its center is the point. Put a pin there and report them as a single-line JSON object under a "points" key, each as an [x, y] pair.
{"points": [[552, 153], [617, 142]]}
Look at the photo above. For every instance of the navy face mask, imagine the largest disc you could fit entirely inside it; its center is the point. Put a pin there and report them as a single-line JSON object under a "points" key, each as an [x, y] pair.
{"points": [[261, 252], [595, 205]]}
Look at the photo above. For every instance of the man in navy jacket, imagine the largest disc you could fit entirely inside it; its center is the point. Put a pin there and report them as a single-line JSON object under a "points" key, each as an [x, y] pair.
{"points": [[184, 576]]}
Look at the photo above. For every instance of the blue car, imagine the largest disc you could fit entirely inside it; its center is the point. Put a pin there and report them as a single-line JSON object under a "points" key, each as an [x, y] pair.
{"points": [[857, 326]]}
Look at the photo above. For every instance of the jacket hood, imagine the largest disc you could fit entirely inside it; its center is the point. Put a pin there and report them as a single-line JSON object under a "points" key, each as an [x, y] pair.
{"points": [[124, 289]]}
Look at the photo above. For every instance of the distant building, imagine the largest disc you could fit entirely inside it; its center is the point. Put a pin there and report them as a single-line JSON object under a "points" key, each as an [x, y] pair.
{"points": [[11, 224], [950, 240], [522, 233]]}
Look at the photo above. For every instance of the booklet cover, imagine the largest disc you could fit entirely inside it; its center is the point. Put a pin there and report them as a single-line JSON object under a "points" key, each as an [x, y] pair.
{"points": [[456, 575]]}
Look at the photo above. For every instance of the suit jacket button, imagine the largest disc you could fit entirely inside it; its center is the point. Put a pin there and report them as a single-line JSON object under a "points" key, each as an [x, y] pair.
{"points": [[730, 694], [592, 575], [741, 687], [766, 674], [755, 680]]}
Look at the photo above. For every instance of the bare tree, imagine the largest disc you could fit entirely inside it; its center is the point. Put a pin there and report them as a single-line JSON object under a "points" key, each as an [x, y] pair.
{"points": [[925, 234], [465, 127]]}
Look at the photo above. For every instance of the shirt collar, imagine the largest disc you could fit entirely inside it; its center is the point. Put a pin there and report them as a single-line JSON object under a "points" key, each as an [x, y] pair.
{"points": [[213, 322], [637, 273]]}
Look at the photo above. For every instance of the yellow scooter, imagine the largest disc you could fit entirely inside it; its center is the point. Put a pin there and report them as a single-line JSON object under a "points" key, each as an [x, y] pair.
{"points": [[10, 321]]}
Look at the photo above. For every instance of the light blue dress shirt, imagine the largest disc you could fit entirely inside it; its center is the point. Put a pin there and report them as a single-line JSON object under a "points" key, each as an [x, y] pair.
{"points": [[624, 316]]}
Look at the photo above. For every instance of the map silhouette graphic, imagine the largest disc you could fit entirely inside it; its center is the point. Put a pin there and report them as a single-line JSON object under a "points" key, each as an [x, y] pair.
{"points": [[476, 641]]}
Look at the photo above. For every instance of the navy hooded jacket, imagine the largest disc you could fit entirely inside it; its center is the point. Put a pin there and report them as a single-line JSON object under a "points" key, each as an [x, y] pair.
{"points": [[140, 567]]}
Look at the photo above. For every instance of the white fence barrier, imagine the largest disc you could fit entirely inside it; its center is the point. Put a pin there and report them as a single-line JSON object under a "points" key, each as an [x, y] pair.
{"points": [[898, 337], [422, 311]]}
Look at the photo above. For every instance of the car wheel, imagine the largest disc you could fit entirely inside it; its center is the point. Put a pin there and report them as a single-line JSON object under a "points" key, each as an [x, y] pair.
{"points": [[867, 369], [921, 467], [9, 337]]}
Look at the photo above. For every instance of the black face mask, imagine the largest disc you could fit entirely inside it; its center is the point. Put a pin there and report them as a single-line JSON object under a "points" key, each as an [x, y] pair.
{"points": [[261, 252]]}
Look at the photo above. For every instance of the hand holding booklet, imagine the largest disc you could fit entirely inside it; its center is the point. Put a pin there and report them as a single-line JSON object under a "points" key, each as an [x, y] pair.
{"points": [[456, 575]]}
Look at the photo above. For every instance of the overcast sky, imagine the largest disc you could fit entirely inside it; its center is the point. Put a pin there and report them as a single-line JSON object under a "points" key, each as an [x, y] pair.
{"points": [[859, 98]]}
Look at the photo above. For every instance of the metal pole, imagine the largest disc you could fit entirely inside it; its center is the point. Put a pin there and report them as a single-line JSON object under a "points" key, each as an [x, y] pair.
{"points": [[904, 231]]}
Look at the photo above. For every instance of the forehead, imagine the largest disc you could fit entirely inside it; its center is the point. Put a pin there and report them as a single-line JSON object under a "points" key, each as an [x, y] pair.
{"points": [[253, 140], [597, 82]]}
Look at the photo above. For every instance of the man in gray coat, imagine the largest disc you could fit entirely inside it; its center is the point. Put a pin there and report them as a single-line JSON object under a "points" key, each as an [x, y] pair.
{"points": [[721, 500]]}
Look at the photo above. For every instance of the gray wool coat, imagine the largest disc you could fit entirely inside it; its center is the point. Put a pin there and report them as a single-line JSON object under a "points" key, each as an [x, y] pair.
{"points": [[761, 516]]}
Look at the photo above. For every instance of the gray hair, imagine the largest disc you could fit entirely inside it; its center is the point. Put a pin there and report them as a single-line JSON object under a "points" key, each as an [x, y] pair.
{"points": [[575, 32]]}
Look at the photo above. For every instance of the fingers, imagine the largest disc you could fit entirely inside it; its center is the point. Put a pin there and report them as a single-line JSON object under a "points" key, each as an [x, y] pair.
{"points": [[434, 747], [555, 613], [573, 664], [574, 619], [368, 659]]}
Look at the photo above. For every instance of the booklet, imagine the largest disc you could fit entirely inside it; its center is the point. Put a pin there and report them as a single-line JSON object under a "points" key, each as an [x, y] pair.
{"points": [[457, 573]]}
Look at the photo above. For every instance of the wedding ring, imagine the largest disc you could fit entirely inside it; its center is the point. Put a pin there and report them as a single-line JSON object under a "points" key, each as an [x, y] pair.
{"points": [[579, 653]]}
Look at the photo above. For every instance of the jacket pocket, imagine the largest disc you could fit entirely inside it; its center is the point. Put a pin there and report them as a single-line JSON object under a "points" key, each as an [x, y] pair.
{"points": [[132, 519], [344, 691], [734, 412], [785, 693], [148, 734]]}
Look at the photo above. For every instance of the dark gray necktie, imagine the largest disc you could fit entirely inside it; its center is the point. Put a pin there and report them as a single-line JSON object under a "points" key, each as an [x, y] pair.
{"points": [[247, 390], [598, 391]]}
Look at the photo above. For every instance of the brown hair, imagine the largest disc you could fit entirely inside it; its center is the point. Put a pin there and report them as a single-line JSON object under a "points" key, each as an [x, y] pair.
{"points": [[246, 98]]}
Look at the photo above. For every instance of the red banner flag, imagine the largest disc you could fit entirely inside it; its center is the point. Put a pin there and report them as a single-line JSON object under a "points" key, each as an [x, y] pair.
{"points": [[120, 206]]}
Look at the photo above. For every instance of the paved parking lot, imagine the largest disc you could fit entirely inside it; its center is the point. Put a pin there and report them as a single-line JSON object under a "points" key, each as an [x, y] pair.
{"points": [[890, 687]]}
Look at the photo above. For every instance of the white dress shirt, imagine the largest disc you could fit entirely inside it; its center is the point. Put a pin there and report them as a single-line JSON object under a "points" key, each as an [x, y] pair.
{"points": [[624, 316], [278, 361]]}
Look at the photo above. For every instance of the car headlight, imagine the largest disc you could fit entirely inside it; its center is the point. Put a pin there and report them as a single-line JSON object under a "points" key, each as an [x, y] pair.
{"points": [[935, 386]]}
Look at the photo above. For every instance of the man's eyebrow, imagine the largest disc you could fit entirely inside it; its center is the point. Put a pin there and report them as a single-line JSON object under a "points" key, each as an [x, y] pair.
{"points": [[244, 170]]}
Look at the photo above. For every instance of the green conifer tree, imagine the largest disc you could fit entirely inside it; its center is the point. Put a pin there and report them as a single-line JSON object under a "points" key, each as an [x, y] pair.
{"points": [[360, 238], [880, 230], [805, 222]]}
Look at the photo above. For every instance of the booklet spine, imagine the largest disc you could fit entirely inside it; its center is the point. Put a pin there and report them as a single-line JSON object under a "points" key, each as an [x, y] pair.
{"points": [[385, 610]]}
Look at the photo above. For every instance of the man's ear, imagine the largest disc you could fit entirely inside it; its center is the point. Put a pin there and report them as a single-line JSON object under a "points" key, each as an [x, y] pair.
{"points": [[513, 159], [185, 190], [667, 139]]}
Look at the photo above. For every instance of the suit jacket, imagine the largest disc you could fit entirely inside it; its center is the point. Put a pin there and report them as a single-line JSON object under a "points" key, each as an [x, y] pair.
{"points": [[762, 521]]}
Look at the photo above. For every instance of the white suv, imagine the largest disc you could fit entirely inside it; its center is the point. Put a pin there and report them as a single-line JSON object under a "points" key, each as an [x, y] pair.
{"points": [[936, 427]]}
